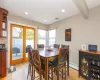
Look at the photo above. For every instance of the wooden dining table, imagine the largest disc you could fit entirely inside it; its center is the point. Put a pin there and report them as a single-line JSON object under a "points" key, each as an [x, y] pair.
{"points": [[48, 55]]}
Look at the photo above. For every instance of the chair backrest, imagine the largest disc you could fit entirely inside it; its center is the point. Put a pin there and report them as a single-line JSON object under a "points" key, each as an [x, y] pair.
{"points": [[30, 55], [65, 46], [62, 58], [37, 61], [27, 48], [56, 46], [40, 45]]}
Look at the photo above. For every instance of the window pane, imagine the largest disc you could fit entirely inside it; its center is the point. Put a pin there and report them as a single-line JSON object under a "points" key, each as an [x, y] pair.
{"points": [[17, 43], [52, 33], [52, 37], [41, 37], [29, 39]]}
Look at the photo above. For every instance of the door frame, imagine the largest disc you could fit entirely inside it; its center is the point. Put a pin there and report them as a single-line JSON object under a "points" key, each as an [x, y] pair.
{"points": [[24, 59]]}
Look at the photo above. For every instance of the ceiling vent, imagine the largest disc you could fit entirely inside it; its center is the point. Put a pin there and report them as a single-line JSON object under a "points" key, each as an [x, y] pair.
{"points": [[56, 18]]}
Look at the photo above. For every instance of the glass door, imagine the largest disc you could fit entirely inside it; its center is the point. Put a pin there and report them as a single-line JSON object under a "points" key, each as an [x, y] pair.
{"points": [[16, 44], [21, 38], [30, 39]]}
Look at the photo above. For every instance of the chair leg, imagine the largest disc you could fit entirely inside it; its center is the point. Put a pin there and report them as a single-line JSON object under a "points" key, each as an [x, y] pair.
{"points": [[65, 73], [52, 73], [40, 77], [28, 71], [48, 76], [32, 74], [62, 74], [57, 74]]}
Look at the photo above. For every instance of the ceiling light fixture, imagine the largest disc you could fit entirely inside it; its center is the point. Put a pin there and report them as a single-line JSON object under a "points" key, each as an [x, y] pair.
{"points": [[63, 10], [45, 20], [26, 13]]}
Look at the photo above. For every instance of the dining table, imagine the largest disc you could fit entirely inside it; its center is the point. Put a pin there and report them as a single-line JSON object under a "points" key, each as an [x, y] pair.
{"points": [[48, 55]]}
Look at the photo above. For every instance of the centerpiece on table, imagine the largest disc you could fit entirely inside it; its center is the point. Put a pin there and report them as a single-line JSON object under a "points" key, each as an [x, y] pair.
{"points": [[49, 48]]}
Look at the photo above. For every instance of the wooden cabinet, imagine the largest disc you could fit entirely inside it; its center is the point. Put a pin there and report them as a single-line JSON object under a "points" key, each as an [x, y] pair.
{"points": [[2, 63], [89, 64], [83, 64], [3, 22]]}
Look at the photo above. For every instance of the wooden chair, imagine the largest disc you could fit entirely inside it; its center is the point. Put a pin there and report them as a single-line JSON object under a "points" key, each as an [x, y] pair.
{"points": [[39, 66], [56, 46], [30, 61], [60, 63], [65, 46], [40, 45]]}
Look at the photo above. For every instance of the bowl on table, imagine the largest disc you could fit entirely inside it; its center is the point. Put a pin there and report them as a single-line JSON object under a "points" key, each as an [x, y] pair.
{"points": [[49, 49]]}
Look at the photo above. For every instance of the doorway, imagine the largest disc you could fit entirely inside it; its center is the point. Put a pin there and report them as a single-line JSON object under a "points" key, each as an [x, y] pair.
{"points": [[21, 38]]}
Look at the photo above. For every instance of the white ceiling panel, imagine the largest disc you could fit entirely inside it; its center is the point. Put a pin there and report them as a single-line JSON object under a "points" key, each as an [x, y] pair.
{"points": [[40, 10]]}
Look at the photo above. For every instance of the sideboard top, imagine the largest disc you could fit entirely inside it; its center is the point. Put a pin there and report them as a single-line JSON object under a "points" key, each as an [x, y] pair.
{"points": [[91, 52], [3, 50]]}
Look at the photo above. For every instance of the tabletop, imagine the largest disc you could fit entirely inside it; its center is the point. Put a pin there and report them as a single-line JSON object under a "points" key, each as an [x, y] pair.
{"points": [[45, 53]]}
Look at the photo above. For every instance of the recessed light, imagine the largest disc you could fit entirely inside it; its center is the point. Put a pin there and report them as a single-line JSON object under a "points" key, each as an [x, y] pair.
{"points": [[63, 10], [26, 12], [45, 20]]}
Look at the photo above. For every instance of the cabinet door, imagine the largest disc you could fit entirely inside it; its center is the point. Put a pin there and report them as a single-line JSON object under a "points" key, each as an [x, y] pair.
{"points": [[2, 63], [83, 62], [3, 25], [0, 24]]}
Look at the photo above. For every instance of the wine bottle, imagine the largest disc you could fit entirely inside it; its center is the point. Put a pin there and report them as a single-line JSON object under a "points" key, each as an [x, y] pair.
{"points": [[98, 63], [93, 62]]}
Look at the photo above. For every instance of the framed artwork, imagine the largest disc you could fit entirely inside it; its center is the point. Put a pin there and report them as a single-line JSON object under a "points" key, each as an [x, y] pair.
{"points": [[67, 34]]}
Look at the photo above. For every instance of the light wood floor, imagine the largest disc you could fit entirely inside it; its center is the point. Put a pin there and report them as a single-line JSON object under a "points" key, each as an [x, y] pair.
{"points": [[21, 74]]}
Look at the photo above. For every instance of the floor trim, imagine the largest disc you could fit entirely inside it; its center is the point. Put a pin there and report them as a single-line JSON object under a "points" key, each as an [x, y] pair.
{"points": [[74, 66]]}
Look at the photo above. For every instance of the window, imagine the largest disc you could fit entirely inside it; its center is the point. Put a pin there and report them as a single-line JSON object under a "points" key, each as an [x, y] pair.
{"points": [[52, 37], [41, 36]]}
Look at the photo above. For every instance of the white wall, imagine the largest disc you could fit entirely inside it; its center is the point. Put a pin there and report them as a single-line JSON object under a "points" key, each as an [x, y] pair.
{"points": [[83, 32], [24, 21]]}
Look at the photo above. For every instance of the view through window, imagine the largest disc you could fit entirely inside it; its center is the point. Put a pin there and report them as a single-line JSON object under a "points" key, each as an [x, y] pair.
{"points": [[41, 36], [52, 37]]}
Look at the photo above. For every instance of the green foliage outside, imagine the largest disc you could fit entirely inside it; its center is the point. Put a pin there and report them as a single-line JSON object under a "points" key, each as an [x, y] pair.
{"points": [[29, 35]]}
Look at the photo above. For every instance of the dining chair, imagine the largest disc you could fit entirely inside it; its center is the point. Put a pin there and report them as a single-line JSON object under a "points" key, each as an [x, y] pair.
{"points": [[60, 63], [39, 66], [27, 48], [40, 45], [30, 61], [65, 46], [56, 45]]}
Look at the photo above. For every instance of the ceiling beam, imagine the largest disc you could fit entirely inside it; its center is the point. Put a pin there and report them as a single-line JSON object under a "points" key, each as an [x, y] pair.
{"points": [[82, 7]]}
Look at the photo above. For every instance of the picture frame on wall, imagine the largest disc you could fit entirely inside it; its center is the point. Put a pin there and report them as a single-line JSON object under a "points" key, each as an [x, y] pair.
{"points": [[68, 34]]}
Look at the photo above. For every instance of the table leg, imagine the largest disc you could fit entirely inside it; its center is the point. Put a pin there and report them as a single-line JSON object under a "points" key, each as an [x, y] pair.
{"points": [[46, 69]]}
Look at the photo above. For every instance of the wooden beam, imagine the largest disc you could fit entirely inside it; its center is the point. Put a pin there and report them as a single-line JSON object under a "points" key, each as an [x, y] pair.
{"points": [[82, 7]]}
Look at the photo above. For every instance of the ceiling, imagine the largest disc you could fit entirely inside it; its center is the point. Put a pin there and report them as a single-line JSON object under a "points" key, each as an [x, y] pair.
{"points": [[40, 10]]}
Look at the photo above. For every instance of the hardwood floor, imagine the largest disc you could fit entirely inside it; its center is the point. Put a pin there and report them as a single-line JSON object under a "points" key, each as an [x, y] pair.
{"points": [[21, 74]]}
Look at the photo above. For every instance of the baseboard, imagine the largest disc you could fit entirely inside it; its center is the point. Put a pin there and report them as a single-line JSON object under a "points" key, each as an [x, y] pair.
{"points": [[74, 66]]}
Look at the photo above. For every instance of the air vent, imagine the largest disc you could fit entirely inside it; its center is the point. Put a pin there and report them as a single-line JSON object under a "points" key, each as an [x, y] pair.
{"points": [[56, 18]]}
